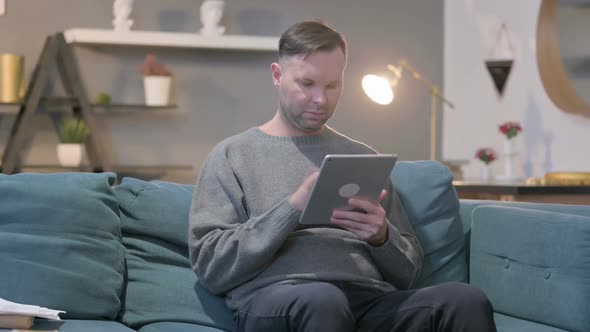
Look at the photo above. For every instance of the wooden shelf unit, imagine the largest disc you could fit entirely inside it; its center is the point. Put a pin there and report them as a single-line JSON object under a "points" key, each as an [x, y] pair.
{"points": [[58, 52]]}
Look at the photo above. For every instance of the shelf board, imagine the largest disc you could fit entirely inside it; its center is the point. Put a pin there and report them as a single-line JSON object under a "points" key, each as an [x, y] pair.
{"points": [[175, 173], [116, 168], [48, 102], [120, 108], [9, 108], [171, 39]]}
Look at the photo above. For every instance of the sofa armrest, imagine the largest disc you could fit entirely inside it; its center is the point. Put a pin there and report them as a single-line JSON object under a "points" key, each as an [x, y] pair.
{"points": [[533, 265]]}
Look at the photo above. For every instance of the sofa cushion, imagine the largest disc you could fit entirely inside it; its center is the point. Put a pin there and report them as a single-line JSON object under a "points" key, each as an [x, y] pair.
{"points": [[161, 285], [177, 327], [60, 243], [533, 265], [75, 326], [510, 324], [431, 203]]}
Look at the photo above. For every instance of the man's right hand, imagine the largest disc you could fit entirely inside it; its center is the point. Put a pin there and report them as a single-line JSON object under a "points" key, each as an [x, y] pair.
{"points": [[299, 198]]}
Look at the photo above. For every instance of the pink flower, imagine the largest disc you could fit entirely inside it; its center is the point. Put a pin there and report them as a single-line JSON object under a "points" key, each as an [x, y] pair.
{"points": [[486, 155], [510, 129]]}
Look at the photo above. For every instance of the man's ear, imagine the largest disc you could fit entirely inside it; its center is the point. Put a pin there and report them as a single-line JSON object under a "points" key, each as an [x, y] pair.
{"points": [[277, 73]]}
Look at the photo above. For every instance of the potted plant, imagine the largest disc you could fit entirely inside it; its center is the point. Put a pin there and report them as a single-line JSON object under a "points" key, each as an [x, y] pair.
{"points": [[73, 133], [102, 98], [157, 80]]}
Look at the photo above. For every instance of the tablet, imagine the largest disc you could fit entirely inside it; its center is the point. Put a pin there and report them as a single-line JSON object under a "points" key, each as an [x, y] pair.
{"points": [[344, 176]]}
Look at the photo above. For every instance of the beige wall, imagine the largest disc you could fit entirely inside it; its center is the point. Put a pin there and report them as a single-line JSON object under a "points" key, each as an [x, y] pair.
{"points": [[222, 93], [552, 140]]}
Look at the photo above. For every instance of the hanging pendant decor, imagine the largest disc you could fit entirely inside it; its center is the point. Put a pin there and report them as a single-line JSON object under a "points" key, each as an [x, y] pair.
{"points": [[500, 68], [499, 71]]}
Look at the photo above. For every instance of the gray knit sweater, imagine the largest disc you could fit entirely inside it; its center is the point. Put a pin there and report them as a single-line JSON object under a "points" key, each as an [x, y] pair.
{"points": [[244, 235]]}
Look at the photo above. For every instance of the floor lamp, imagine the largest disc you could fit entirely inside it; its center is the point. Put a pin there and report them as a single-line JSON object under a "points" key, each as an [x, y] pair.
{"points": [[381, 89]]}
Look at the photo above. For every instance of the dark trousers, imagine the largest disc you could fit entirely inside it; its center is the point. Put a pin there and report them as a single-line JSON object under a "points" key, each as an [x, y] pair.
{"points": [[341, 307]]}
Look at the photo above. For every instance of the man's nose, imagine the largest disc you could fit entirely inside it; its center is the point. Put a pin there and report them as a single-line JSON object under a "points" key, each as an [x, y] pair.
{"points": [[319, 97]]}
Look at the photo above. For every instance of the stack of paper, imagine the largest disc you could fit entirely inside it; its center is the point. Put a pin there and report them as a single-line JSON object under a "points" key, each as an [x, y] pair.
{"points": [[12, 308]]}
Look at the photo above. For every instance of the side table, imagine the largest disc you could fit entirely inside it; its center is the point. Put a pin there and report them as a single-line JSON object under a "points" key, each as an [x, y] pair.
{"points": [[561, 194]]}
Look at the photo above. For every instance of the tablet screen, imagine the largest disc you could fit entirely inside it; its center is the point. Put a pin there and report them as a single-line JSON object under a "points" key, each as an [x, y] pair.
{"points": [[342, 177]]}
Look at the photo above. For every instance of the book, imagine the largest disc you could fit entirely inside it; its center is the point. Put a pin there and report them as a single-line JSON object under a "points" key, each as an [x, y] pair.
{"points": [[10, 321], [13, 308]]}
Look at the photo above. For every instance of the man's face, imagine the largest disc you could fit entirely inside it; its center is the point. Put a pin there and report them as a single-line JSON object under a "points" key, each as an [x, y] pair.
{"points": [[309, 87]]}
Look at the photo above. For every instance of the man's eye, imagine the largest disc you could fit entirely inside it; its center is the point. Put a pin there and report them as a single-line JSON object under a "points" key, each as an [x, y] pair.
{"points": [[307, 83]]}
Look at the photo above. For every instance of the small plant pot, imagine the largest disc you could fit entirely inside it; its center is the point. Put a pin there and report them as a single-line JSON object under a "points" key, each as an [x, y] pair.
{"points": [[70, 155], [157, 90]]}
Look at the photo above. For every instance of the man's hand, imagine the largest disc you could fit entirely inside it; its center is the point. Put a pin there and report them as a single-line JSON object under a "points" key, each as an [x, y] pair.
{"points": [[301, 195], [370, 226]]}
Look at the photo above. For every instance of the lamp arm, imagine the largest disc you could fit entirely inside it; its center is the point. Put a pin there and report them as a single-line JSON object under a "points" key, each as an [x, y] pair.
{"points": [[434, 90], [436, 95]]}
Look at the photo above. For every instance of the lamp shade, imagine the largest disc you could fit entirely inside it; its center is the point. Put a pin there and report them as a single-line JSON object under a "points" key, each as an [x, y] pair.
{"points": [[381, 90], [378, 88]]}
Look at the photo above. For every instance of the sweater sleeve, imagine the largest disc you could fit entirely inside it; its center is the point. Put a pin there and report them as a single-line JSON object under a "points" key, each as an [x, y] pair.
{"points": [[400, 258], [226, 247]]}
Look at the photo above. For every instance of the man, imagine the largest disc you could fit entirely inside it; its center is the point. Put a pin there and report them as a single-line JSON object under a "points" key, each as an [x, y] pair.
{"points": [[245, 240]]}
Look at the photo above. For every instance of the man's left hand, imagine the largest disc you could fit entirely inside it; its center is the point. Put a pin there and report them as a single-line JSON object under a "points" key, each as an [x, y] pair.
{"points": [[370, 225]]}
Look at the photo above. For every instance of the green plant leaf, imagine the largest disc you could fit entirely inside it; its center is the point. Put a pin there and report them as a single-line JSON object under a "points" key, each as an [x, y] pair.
{"points": [[73, 131], [103, 98]]}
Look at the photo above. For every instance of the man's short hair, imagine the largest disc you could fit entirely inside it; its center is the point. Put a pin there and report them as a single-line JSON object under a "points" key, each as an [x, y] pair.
{"points": [[308, 37]]}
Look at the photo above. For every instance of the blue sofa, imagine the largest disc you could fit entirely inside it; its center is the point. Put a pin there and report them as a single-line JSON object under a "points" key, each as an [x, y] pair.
{"points": [[114, 256]]}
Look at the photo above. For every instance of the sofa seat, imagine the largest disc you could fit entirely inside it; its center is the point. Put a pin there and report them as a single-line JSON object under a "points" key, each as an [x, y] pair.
{"points": [[511, 324], [177, 327], [75, 325]]}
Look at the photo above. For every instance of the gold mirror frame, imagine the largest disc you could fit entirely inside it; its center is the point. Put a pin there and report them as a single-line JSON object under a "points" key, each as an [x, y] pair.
{"points": [[554, 77]]}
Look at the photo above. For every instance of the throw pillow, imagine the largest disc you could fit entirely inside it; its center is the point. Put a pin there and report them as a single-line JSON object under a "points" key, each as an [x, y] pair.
{"points": [[431, 203], [60, 243], [161, 286]]}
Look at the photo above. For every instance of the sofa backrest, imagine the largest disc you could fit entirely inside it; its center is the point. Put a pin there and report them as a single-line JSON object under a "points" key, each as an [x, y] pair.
{"points": [[160, 285], [60, 243], [469, 205], [432, 205]]}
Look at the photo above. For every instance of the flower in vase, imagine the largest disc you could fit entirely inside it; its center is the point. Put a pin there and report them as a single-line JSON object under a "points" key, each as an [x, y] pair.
{"points": [[510, 129], [486, 155]]}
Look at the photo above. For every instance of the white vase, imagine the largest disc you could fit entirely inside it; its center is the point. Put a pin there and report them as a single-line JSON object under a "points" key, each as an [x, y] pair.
{"points": [[157, 90], [510, 156], [486, 173], [70, 155]]}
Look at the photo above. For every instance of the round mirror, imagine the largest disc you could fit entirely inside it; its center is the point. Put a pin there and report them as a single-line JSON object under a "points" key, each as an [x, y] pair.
{"points": [[563, 53]]}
